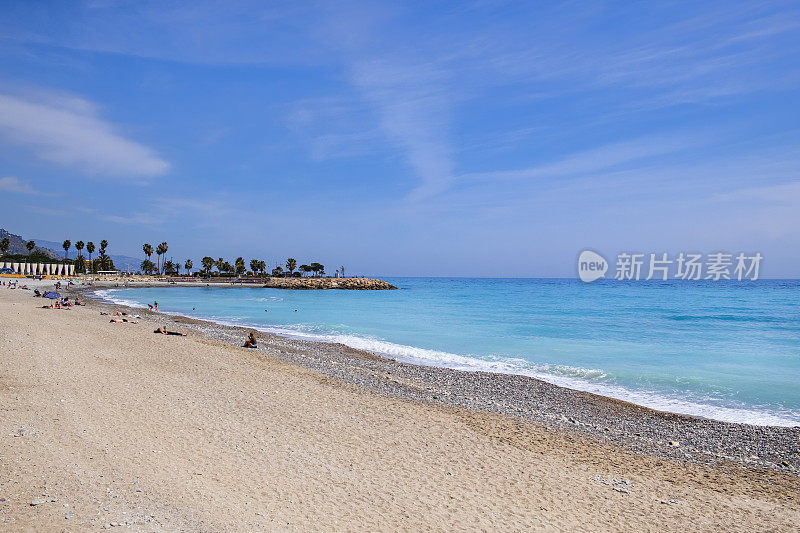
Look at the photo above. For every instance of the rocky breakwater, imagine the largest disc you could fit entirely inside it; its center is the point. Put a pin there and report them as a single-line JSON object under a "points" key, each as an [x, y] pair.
{"points": [[353, 284]]}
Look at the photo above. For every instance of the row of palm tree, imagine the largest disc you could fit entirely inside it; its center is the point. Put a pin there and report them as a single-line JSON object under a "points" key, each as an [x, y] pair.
{"points": [[164, 266], [161, 255], [258, 267], [103, 260]]}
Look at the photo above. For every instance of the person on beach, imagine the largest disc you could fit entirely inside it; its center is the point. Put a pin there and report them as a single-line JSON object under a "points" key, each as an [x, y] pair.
{"points": [[164, 331], [156, 306], [250, 342], [122, 320]]}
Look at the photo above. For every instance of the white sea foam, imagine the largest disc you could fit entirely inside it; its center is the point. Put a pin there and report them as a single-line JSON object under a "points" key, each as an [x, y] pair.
{"points": [[577, 378], [583, 379], [109, 295]]}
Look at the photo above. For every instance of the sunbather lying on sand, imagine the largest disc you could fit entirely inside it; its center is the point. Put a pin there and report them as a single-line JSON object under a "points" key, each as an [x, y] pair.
{"points": [[164, 331], [121, 320]]}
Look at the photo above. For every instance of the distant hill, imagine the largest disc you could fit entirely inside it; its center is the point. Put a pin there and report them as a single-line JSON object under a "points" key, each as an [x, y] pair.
{"points": [[17, 245], [121, 262]]}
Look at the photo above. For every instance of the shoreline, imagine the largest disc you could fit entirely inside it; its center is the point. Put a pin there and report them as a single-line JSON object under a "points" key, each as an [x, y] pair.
{"points": [[108, 425], [603, 418], [663, 403], [653, 402]]}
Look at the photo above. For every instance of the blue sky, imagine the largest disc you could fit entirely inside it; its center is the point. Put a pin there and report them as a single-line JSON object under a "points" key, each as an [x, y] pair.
{"points": [[484, 138]]}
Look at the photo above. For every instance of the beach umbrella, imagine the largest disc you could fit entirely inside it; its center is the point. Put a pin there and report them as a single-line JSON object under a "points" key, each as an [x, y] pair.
{"points": [[52, 295]]}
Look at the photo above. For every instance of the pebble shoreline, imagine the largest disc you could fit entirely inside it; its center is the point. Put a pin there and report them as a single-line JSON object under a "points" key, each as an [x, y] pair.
{"points": [[582, 414]]}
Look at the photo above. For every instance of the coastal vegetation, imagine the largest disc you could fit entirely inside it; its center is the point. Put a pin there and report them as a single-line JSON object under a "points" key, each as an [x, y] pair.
{"points": [[29, 252], [209, 266]]}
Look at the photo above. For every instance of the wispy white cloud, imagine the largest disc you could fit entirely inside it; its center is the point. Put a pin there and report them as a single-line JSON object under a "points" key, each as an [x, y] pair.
{"points": [[202, 212], [16, 185], [411, 103], [596, 159], [69, 131], [779, 194], [46, 211]]}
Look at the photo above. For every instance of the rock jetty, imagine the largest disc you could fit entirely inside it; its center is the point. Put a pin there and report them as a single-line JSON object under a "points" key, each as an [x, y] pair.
{"points": [[357, 284]]}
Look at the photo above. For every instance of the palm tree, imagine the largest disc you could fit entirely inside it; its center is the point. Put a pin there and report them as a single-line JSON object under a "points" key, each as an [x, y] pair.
{"points": [[90, 250], [4, 244], [208, 264], [79, 263], [103, 256], [188, 266], [159, 251], [147, 249], [147, 266], [291, 264], [30, 245], [163, 247], [239, 265], [65, 245]]}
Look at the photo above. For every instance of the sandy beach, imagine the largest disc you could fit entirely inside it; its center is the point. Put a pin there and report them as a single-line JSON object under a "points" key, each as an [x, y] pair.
{"points": [[109, 425]]}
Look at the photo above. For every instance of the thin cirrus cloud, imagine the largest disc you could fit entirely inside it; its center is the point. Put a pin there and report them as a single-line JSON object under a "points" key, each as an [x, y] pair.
{"points": [[16, 185], [594, 160], [70, 132], [414, 114]]}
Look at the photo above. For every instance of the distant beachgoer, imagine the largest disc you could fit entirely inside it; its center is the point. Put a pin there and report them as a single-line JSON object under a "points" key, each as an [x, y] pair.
{"points": [[156, 306], [250, 342], [122, 320], [164, 331], [150, 307]]}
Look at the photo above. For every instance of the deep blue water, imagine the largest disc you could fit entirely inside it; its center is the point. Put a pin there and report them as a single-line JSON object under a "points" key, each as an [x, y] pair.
{"points": [[724, 350]]}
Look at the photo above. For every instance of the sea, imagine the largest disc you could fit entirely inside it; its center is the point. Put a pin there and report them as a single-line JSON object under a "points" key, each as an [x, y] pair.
{"points": [[726, 350]]}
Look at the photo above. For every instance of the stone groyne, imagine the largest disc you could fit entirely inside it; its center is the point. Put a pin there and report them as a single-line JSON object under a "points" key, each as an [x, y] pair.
{"points": [[358, 284]]}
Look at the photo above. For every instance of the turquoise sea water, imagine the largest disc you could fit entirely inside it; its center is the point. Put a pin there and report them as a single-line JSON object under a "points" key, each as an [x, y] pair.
{"points": [[723, 350]]}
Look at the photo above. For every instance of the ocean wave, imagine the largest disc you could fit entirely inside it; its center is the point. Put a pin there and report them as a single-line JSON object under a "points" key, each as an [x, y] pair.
{"points": [[577, 378], [109, 295]]}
